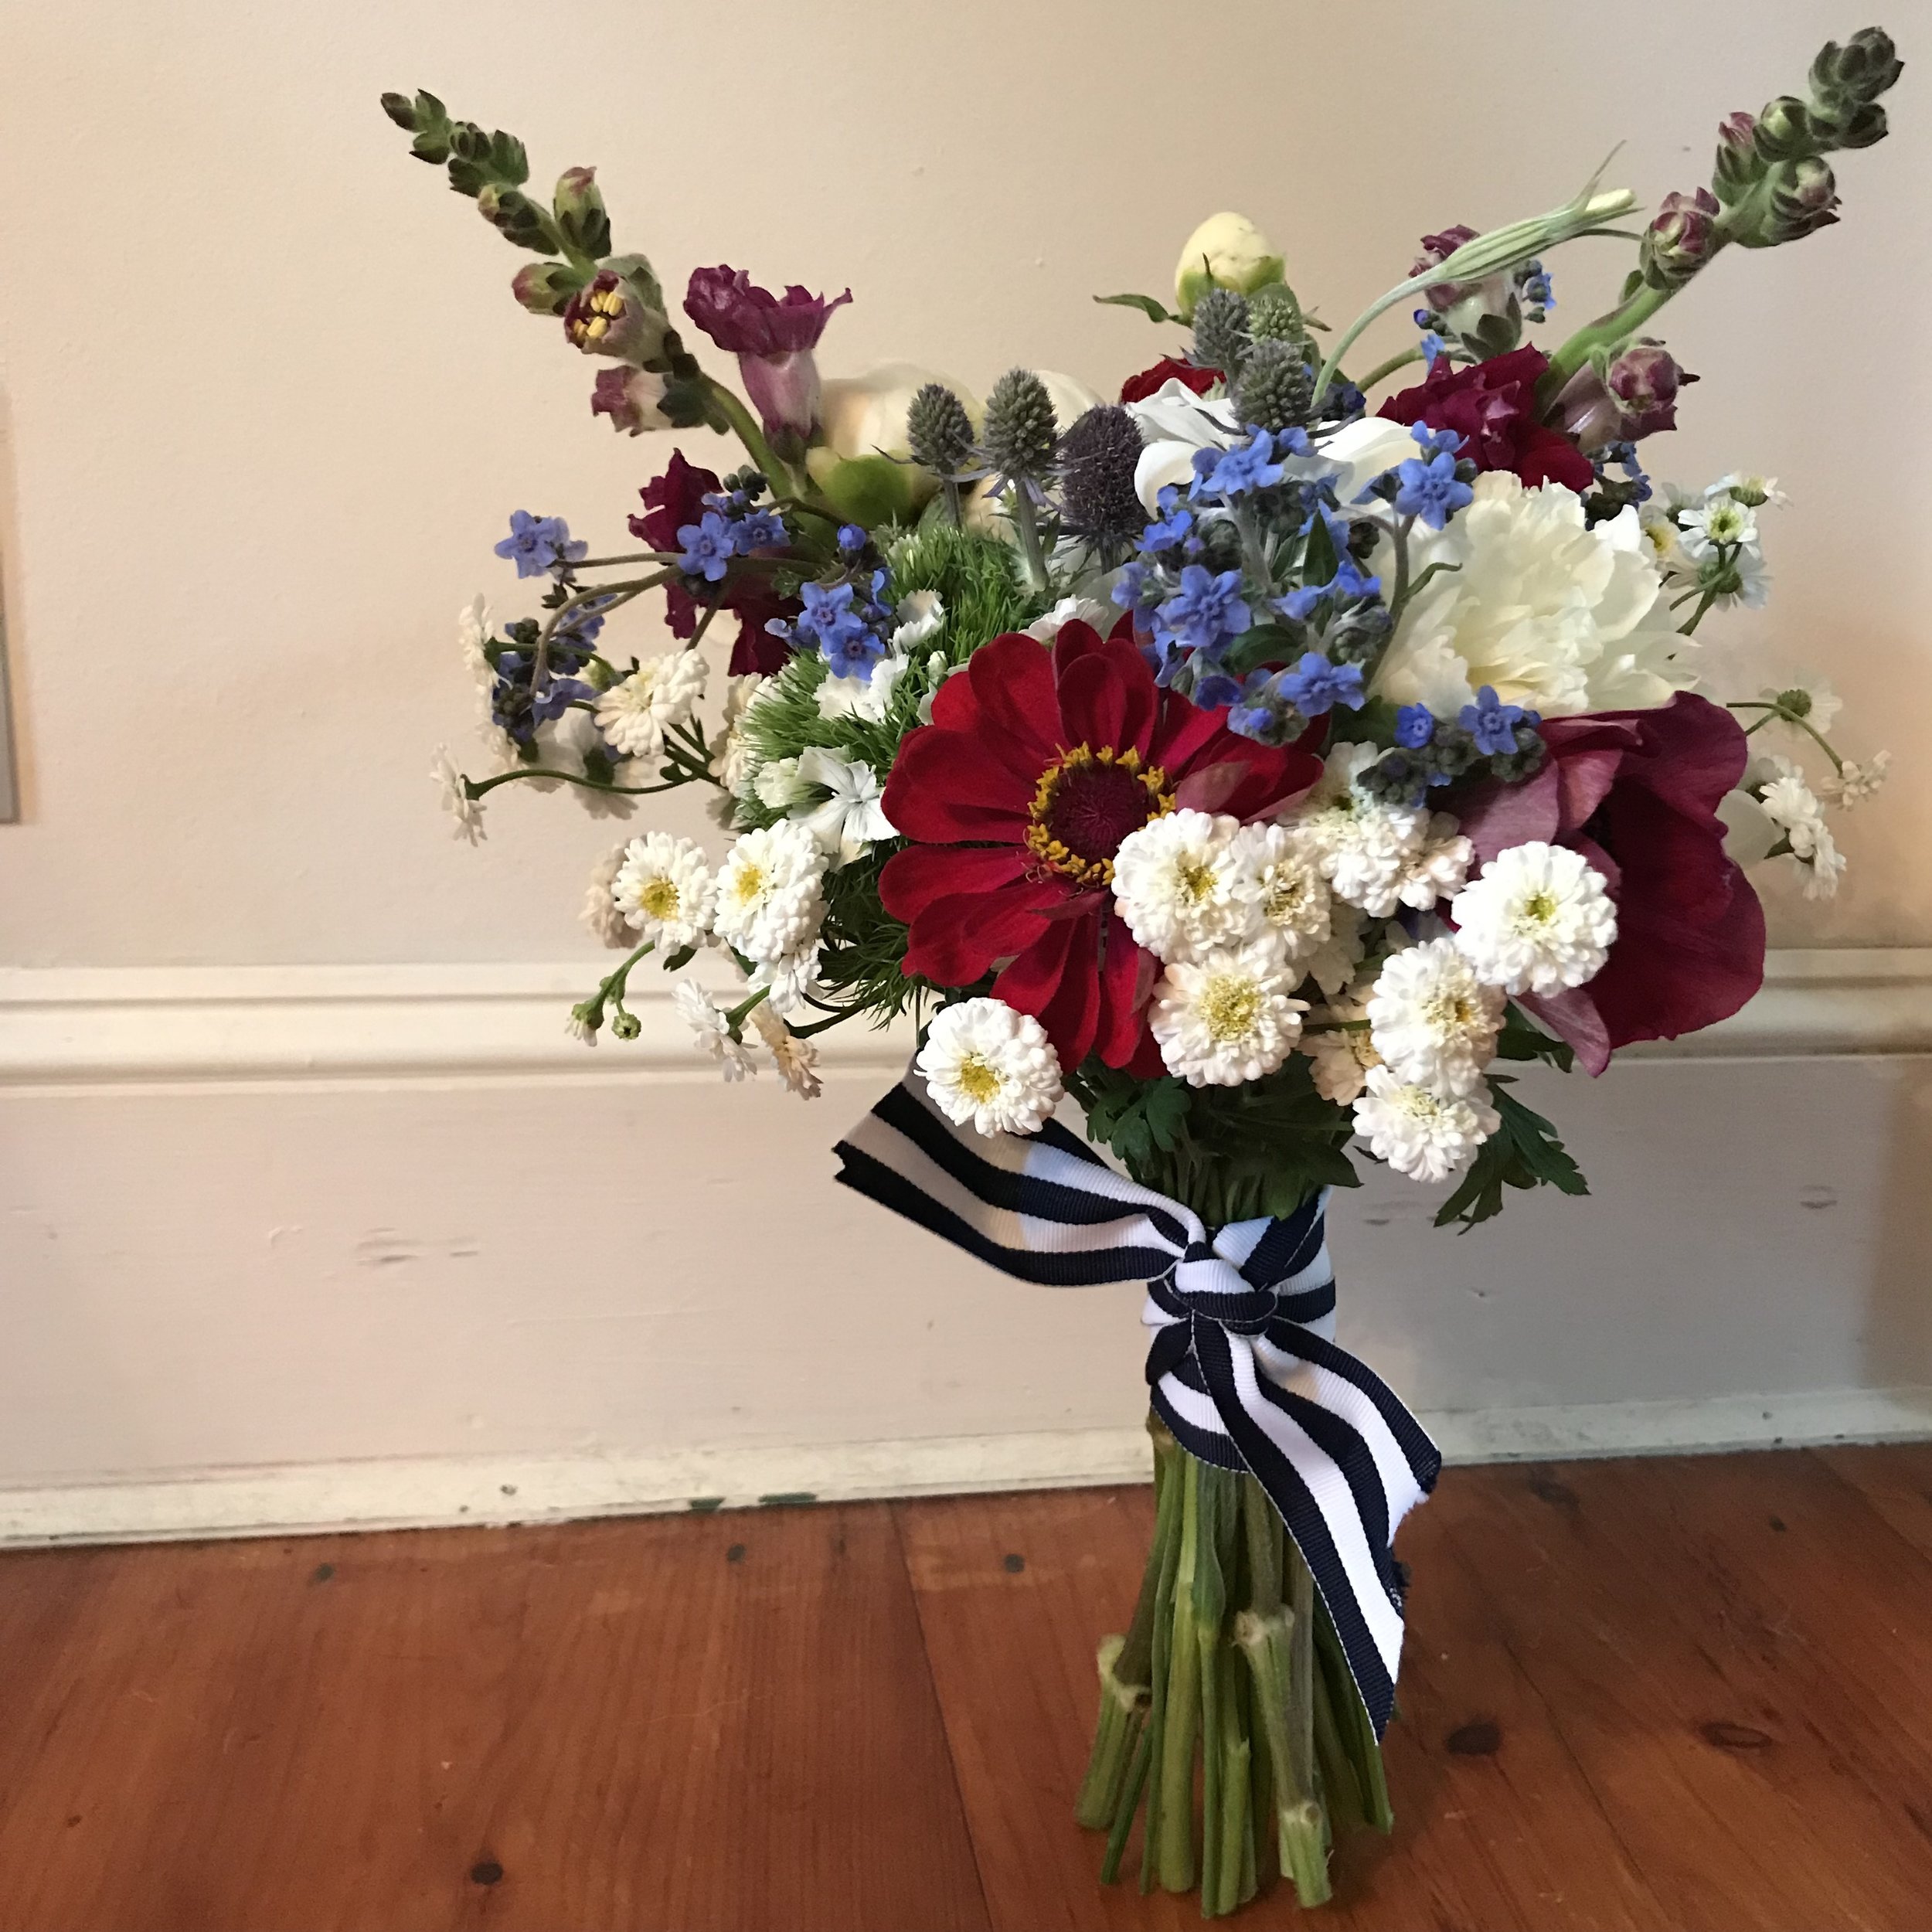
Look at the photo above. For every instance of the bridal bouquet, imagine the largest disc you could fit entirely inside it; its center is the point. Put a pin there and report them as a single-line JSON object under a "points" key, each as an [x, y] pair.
{"points": [[1261, 761]]}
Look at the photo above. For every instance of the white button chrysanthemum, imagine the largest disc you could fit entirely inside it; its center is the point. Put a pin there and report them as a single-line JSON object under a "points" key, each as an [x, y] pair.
{"points": [[1342, 1053], [1824, 865], [1439, 869], [711, 1031], [601, 913], [797, 1059], [990, 1067], [1288, 900], [1331, 965], [634, 713], [731, 757], [1176, 883], [1791, 805], [1540, 918], [664, 891], [1228, 1017], [457, 801], [1364, 847], [1423, 1135], [1432, 1020], [770, 901]]}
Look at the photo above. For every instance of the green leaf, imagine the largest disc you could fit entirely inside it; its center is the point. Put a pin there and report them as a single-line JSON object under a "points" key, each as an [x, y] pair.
{"points": [[1522, 1039], [1523, 1152], [1154, 311]]}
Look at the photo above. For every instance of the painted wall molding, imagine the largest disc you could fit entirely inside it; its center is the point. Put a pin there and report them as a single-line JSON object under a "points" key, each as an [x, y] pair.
{"points": [[64, 1026]]}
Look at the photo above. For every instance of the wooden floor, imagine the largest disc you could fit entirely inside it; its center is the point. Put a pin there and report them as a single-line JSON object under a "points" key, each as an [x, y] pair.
{"points": [[1686, 1694]]}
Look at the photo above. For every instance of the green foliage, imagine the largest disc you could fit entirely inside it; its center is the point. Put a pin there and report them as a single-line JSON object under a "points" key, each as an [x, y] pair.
{"points": [[978, 580], [1154, 311], [1524, 1152], [1521, 1039], [1230, 1153]]}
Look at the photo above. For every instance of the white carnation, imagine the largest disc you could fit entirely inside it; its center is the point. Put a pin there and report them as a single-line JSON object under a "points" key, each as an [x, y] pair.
{"points": [[634, 713], [1288, 899], [711, 1029], [1557, 615], [1540, 918], [1432, 1021], [1072, 610], [1227, 1019], [1177, 884], [770, 901], [990, 1067], [665, 890], [1419, 1133], [866, 698]]}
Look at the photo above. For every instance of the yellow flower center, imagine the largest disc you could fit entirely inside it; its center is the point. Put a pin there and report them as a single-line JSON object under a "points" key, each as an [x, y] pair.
{"points": [[1085, 803], [979, 1078], [659, 899], [1229, 1008], [597, 316], [748, 884]]}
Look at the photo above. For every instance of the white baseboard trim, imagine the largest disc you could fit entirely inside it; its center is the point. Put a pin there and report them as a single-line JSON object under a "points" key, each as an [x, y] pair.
{"points": [[89, 1026], [449, 1492]]}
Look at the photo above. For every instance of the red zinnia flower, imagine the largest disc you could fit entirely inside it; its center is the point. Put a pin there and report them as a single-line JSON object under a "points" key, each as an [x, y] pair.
{"points": [[1036, 765], [1637, 793]]}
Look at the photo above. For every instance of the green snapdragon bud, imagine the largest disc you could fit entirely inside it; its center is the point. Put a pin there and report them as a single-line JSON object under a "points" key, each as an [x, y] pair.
{"points": [[1680, 240], [1738, 164], [1865, 67], [1784, 131], [545, 288], [519, 218], [1803, 197], [581, 218]]}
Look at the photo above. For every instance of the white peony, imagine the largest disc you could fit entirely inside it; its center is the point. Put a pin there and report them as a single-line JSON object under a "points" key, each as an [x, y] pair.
{"points": [[1540, 918], [1557, 617], [989, 1067]]}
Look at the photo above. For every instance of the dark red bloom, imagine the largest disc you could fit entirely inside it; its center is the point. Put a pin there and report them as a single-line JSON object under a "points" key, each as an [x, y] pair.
{"points": [[749, 321], [671, 501], [1036, 765], [1493, 407], [1137, 389], [1636, 792]]}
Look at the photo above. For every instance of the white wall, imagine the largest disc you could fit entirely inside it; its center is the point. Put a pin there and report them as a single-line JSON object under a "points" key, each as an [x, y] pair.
{"points": [[264, 406]]}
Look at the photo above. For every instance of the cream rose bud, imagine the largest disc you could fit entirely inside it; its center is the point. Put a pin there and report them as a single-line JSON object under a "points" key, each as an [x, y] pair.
{"points": [[866, 415], [1227, 251]]}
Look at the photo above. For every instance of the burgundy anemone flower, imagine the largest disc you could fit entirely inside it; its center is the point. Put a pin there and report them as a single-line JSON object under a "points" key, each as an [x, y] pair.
{"points": [[1636, 792], [671, 501], [772, 340], [1036, 765], [1150, 382], [1493, 407]]}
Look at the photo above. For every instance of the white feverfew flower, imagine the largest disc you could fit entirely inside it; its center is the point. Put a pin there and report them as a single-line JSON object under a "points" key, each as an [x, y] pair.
{"points": [[1228, 1017], [1363, 846], [634, 714], [1176, 884], [1752, 588], [1288, 899], [1432, 1021], [1718, 522], [1809, 698], [990, 1068], [796, 1060], [601, 914], [1664, 541], [1538, 918], [457, 801], [1791, 805], [1424, 1134], [1757, 490], [786, 982], [770, 901], [1439, 868], [920, 614], [1852, 783], [663, 889], [710, 1029], [1557, 615], [1824, 865], [849, 822]]}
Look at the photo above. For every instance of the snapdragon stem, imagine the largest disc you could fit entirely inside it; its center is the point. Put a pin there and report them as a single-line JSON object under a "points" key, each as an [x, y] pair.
{"points": [[481, 787], [764, 458], [1383, 371]]}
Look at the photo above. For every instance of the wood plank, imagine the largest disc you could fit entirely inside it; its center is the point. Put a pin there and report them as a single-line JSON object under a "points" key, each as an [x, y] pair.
{"points": [[1896, 1479], [697, 1723], [1705, 1742]]}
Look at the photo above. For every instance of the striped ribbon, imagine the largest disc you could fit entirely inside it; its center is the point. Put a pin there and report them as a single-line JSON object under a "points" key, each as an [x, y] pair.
{"points": [[1243, 1366]]}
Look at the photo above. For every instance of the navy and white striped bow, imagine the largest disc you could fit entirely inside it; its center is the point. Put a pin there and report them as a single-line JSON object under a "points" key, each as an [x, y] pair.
{"points": [[1244, 1367]]}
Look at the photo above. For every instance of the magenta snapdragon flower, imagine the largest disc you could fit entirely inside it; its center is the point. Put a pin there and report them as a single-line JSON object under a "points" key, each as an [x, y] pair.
{"points": [[772, 338]]}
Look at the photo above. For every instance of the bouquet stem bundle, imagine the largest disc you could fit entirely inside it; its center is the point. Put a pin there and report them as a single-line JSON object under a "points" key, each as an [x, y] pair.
{"points": [[1230, 1667]]}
